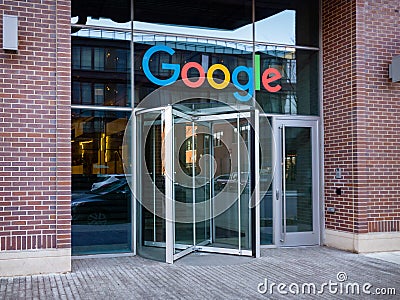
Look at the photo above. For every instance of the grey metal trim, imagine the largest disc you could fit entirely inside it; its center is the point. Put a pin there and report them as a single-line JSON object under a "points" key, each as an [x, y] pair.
{"points": [[224, 117], [143, 111], [134, 169], [193, 185], [169, 187], [154, 180], [321, 131], [184, 252], [224, 250], [283, 180], [238, 181], [257, 183], [291, 117], [163, 245], [100, 107]]}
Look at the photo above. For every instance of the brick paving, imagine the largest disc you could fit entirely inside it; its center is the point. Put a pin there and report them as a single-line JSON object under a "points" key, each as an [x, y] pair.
{"points": [[139, 278]]}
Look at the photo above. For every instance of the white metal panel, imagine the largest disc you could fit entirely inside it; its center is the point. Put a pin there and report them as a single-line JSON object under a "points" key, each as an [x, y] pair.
{"points": [[257, 182], [169, 186], [10, 32], [394, 69]]}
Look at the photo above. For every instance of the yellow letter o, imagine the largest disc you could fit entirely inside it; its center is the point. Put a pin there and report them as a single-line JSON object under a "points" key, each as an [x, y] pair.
{"points": [[211, 81]]}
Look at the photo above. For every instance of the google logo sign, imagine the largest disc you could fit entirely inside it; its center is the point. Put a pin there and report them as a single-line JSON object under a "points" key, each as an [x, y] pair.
{"points": [[253, 76]]}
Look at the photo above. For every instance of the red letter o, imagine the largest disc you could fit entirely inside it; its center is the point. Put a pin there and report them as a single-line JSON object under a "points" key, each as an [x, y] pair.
{"points": [[193, 84]]}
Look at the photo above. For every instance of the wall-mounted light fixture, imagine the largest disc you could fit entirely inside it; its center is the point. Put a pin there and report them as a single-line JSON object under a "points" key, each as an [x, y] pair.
{"points": [[394, 69], [10, 32]]}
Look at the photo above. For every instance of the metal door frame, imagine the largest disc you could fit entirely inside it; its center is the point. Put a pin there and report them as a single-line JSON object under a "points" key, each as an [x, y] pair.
{"points": [[281, 237]]}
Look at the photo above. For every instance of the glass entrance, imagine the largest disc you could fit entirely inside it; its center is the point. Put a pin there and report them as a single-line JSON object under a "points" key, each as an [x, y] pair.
{"points": [[296, 185], [193, 184]]}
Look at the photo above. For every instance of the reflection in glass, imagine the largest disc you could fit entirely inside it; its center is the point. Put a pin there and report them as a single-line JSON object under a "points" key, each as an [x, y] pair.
{"points": [[100, 72], [150, 168], [298, 170], [223, 19], [299, 83], [232, 227], [192, 179], [109, 13], [101, 213], [266, 173], [287, 22]]}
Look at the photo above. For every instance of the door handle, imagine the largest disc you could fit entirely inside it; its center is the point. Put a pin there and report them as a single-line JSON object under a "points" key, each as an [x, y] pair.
{"points": [[277, 194]]}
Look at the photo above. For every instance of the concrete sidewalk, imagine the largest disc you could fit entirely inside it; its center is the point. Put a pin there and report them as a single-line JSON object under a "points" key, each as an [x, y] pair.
{"points": [[203, 276]]}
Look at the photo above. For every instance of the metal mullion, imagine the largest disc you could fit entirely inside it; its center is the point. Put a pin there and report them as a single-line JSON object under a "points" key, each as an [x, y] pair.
{"points": [[182, 115], [193, 188], [154, 183], [238, 179], [101, 107], [283, 166], [139, 111], [136, 181], [257, 182], [211, 145], [169, 222]]}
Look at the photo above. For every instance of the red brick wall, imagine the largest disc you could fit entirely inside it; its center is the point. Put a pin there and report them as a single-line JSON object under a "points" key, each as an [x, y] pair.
{"points": [[35, 128], [361, 115]]}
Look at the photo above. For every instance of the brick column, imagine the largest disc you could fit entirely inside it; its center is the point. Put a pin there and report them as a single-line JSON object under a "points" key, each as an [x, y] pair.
{"points": [[362, 131], [35, 140]]}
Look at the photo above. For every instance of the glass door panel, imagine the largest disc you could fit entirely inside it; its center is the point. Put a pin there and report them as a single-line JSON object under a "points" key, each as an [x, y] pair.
{"points": [[267, 166], [231, 225], [226, 151], [203, 165], [150, 182], [298, 179], [192, 181], [183, 181]]}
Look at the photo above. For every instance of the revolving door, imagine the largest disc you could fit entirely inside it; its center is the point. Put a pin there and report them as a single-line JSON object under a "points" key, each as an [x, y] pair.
{"points": [[194, 183]]}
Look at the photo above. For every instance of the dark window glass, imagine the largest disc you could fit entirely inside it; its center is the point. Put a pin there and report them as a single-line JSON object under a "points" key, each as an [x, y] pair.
{"points": [[86, 58]]}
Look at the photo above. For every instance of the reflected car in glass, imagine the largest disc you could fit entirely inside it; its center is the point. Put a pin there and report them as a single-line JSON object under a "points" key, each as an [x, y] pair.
{"points": [[108, 204]]}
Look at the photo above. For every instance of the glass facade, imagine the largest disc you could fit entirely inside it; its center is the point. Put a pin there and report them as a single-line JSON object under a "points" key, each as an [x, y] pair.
{"points": [[101, 198], [268, 52]]}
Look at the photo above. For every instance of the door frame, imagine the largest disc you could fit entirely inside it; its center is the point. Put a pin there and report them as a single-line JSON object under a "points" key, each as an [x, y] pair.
{"points": [[282, 238]]}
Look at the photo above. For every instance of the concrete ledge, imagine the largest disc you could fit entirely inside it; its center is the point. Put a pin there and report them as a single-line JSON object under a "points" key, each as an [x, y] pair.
{"points": [[21, 263], [363, 243]]}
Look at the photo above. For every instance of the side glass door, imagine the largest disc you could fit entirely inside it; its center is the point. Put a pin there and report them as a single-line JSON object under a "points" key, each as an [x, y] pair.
{"points": [[192, 144], [296, 182]]}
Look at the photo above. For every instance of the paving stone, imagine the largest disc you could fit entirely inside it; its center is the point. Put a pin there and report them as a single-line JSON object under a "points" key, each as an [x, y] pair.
{"points": [[208, 277]]}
